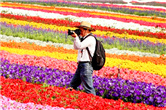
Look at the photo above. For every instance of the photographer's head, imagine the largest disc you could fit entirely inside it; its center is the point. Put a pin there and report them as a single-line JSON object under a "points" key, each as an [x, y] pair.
{"points": [[85, 28]]}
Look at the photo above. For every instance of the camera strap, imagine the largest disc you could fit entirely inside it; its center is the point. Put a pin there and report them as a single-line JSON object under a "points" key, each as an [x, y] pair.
{"points": [[82, 38]]}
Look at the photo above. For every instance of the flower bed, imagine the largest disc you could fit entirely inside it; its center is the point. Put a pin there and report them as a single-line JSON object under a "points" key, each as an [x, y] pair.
{"points": [[109, 72], [110, 62], [8, 104], [147, 11], [126, 90], [61, 37], [50, 95], [58, 22], [37, 67]]}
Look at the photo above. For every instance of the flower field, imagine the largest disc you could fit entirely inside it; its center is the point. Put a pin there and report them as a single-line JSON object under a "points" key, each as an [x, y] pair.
{"points": [[38, 60]]}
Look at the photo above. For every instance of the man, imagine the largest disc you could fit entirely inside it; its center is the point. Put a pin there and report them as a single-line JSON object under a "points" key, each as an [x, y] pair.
{"points": [[84, 70]]}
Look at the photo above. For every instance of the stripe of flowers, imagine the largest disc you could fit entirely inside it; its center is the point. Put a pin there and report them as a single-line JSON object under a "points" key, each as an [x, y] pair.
{"points": [[123, 2], [148, 2], [81, 14], [8, 104], [53, 8], [110, 62], [52, 95], [64, 28], [106, 5], [72, 24], [94, 21], [116, 15], [28, 46], [68, 46], [70, 66], [152, 3], [106, 39], [141, 44], [119, 7], [117, 88]]}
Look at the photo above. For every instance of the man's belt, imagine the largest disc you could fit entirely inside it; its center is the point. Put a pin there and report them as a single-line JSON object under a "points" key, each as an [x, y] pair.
{"points": [[84, 62]]}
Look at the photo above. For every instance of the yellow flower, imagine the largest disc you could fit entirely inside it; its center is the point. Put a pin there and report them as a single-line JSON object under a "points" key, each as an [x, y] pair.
{"points": [[97, 32]]}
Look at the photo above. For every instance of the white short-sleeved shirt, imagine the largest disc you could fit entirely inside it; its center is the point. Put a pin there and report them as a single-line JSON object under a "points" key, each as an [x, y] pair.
{"points": [[89, 42]]}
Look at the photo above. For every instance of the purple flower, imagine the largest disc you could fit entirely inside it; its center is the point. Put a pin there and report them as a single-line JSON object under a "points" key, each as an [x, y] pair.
{"points": [[115, 88]]}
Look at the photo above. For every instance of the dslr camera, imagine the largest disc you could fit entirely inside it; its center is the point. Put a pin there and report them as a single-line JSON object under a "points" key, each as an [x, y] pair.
{"points": [[77, 31]]}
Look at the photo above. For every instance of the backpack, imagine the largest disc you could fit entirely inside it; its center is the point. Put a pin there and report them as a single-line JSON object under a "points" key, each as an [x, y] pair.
{"points": [[98, 60]]}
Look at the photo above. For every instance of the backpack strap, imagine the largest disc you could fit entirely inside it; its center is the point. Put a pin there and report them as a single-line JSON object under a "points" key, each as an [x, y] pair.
{"points": [[87, 36], [90, 56]]}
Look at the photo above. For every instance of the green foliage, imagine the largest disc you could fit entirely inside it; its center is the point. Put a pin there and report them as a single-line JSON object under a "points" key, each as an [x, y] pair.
{"points": [[24, 79], [45, 85]]}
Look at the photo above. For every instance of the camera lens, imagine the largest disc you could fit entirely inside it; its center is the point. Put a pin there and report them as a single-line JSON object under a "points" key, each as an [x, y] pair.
{"points": [[77, 31]]}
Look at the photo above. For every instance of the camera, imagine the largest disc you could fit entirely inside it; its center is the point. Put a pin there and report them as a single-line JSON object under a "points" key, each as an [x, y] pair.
{"points": [[77, 31]]}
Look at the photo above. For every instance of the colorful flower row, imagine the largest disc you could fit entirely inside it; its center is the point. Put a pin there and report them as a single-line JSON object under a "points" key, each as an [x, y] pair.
{"points": [[24, 38], [8, 104], [93, 21], [91, 12], [81, 13], [137, 98], [104, 4], [62, 37], [159, 69], [141, 94], [115, 88], [49, 48], [64, 29], [152, 3], [61, 97], [138, 10], [70, 66], [147, 1], [68, 23]]}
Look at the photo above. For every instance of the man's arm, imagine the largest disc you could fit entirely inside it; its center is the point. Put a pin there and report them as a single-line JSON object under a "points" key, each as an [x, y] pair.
{"points": [[85, 43]]}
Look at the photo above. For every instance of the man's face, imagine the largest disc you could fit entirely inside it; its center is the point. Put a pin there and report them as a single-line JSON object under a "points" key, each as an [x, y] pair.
{"points": [[83, 31]]}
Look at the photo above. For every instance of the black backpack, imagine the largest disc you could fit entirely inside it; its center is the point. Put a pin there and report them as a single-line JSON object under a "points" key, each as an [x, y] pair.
{"points": [[98, 60]]}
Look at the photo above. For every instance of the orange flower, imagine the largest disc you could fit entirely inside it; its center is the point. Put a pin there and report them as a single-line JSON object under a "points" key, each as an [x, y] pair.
{"points": [[25, 45]]}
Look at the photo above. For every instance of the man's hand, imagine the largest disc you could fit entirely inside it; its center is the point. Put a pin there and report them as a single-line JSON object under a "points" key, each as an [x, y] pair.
{"points": [[74, 35]]}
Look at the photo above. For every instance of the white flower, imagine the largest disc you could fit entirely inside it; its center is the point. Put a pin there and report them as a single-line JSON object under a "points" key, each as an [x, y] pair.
{"points": [[93, 21], [67, 46]]}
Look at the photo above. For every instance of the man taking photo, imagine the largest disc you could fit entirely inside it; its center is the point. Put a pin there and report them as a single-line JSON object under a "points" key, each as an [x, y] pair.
{"points": [[84, 69]]}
